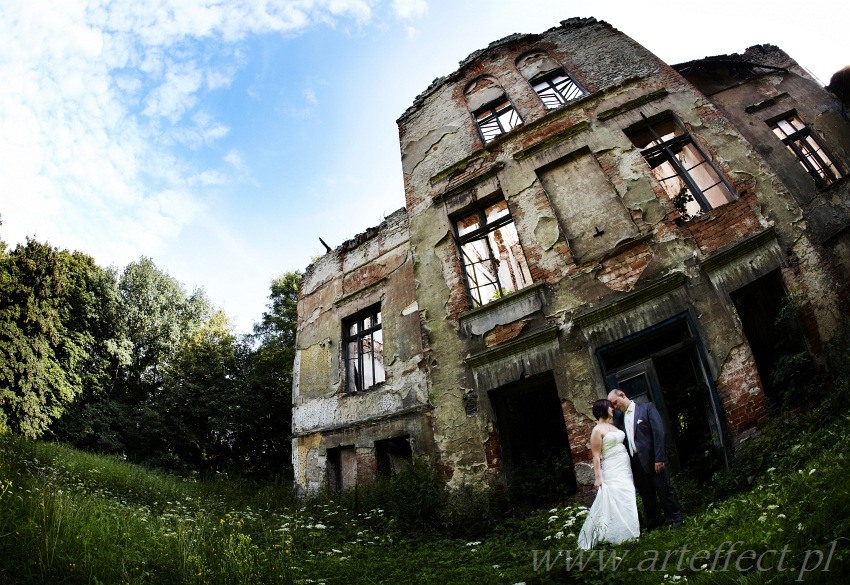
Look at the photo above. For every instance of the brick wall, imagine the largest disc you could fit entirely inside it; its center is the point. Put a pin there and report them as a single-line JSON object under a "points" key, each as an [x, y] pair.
{"points": [[725, 225], [578, 432], [622, 272], [741, 392], [502, 333]]}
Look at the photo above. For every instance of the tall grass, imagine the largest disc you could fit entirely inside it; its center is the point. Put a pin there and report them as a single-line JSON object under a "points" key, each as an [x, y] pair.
{"points": [[73, 517]]}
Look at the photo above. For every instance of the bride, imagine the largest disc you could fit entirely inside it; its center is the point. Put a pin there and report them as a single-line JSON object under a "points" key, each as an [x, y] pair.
{"points": [[613, 517]]}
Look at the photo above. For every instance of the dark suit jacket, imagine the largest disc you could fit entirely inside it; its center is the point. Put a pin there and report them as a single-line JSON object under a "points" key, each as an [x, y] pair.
{"points": [[650, 439]]}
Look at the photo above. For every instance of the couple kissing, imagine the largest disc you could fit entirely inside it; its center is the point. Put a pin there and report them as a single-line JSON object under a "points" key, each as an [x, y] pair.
{"points": [[629, 448]]}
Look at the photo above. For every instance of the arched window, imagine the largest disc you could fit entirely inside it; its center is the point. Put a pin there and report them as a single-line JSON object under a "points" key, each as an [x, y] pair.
{"points": [[493, 112], [550, 81]]}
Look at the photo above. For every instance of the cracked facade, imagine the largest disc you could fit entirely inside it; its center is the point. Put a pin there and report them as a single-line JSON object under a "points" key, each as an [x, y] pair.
{"points": [[579, 216]]}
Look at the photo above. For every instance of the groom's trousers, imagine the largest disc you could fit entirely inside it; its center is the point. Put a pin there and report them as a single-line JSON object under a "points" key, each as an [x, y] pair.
{"points": [[654, 487]]}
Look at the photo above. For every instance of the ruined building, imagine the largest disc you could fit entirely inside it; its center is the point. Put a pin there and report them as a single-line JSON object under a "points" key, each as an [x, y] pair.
{"points": [[579, 216]]}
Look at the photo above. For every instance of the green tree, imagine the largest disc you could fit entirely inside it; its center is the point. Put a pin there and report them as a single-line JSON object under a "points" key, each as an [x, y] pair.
{"points": [[96, 308], [262, 437], [148, 316], [40, 356], [195, 406], [157, 315]]}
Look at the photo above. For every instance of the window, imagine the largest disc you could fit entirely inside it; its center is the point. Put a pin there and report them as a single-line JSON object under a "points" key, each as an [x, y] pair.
{"points": [[557, 88], [493, 261], [687, 176], [496, 118], [364, 350], [800, 141]]}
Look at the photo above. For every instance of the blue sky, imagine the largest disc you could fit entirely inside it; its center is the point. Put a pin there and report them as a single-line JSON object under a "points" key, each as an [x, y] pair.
{"points": [[222, 138]]}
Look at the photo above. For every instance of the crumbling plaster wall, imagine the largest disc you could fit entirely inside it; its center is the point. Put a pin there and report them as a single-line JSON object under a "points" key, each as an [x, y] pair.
{"points": [[440, 290], [442, 157], [374, 267], [804, 215]]}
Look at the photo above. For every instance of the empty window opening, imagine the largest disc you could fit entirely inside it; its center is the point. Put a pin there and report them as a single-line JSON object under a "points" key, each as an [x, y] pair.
{"points": [[688, 178], [492, 257], [342, 468], [535, 450], [774, 336], [496, 118], [364, 350], [393, 455], [557, 88], [800, 140], [665, 365]]}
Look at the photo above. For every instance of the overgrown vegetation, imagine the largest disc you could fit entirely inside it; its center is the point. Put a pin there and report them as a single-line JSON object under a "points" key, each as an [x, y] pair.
{"points": [[131, 365], [71, 517], [127, 362]]}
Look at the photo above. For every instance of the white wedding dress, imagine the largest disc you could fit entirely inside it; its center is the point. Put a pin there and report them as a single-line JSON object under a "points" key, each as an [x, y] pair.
{"points": [[613, 516]]}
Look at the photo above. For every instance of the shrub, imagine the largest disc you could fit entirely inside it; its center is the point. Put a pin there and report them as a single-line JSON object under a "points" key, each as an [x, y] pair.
{"points": [[542, 482]]}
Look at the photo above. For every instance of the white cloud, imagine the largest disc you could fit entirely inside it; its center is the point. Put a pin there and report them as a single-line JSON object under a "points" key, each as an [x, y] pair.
{"points": [[310, 96], [96, 96], [176, 94], [234, 159], [410, 9]]}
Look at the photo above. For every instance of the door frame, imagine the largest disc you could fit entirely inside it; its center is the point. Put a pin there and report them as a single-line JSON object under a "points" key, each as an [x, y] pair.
{"points": [[612, 377]]}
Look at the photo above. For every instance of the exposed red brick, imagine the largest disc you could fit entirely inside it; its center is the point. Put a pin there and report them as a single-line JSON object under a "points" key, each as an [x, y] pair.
{"points": [[578, 431], [741, 391], [367, 466], [622, 272], [502, 333], [364, 276], [724, 226]]}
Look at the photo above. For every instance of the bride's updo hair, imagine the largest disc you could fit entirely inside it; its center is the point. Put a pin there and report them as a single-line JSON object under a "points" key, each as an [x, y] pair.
{"points": [[600, 408]]}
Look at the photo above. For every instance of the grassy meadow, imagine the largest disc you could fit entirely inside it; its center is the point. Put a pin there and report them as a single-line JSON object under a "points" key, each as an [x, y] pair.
{"points": [[71, 517]]}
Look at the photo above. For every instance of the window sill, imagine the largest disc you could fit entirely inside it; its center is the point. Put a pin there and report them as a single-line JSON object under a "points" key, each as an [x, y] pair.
{"points": [[510, 308], [368, 390], [835, 185]]}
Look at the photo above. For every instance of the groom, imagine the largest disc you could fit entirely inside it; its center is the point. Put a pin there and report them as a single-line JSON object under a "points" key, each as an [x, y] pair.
{"points": [[647, 445]]}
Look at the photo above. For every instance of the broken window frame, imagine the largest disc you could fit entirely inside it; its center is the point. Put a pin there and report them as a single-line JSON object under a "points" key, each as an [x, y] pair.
{"points": [[661, 150], [806, 148], [496, 118], [556, 88], [486, 233], [363, 333]]}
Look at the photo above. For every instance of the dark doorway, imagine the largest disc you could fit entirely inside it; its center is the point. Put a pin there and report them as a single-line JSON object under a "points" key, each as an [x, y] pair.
{"points": [[665, 365], [770, 326], [536, 460], [342, 468], [392, 455]]}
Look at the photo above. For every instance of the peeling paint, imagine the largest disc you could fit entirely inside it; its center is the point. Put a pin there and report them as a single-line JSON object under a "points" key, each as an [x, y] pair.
{"points": [[547, 231], [614, 266]]}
